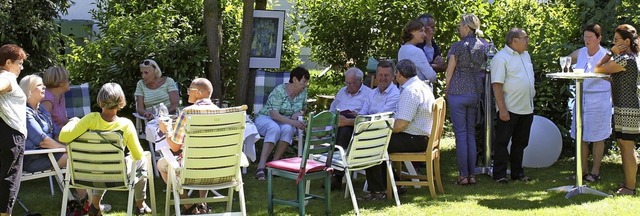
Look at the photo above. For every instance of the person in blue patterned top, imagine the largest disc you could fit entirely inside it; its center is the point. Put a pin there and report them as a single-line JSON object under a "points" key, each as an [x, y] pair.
{"points": [[463, 88], [278, 119]]}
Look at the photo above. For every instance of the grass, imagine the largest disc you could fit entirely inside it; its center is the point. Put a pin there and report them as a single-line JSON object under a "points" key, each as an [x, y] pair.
{"points": [[485, 198]]}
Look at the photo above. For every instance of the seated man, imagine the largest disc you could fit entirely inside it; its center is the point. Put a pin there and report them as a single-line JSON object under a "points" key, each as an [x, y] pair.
{"points": [[199, 93], [384, 98], [412, 127], [350, 101]]}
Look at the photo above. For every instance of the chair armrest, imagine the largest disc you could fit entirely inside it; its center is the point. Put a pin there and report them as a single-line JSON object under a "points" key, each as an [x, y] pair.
{"points": [[44, 151], [168, 155]]}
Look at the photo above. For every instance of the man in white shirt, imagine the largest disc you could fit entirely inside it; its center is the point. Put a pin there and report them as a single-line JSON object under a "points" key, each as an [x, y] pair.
{"points": [[412, 126], [350, 101], [513, 87]]}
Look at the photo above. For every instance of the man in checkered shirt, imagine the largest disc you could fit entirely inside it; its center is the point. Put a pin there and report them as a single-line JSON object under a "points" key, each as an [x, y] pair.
{"points": [[412, 126]]}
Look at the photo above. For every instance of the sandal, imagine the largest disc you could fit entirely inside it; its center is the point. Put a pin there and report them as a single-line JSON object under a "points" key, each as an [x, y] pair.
{"points": [[143, 210], [193, 209], [462, 180], [93, 211], [204, 208], [591, 177], [472, 179], [625, 191], [374, 196], [502, 181], [260, 176]]}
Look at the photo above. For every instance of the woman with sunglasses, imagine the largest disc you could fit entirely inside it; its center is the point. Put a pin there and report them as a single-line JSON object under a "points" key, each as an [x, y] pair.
{"points": [[154, 89], [13, 125], [622, 63]]}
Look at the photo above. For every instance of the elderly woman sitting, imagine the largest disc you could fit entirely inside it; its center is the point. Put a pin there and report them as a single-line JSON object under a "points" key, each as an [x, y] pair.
{"points": [[278, 119], [154, 89], [41, 131], [111, 99]]}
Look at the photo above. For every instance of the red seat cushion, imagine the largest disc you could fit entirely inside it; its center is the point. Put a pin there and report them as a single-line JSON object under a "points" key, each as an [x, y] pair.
{"points": [[293, 165]]}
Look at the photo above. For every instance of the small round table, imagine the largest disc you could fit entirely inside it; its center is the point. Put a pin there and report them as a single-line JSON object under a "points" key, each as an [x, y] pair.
{"points": [[579, 188]]}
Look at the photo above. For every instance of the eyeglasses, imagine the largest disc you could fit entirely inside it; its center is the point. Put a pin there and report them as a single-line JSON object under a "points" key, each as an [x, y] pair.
{"points": [[524, 37], [147, 63], [352, 83], [615, 39]]}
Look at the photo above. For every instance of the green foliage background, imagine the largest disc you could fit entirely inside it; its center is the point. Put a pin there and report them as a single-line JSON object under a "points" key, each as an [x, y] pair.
{"points": [[32, 25], [169, 31], [343, 30]]}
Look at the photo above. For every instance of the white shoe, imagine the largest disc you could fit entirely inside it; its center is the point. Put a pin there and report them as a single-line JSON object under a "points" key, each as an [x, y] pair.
{"points": [[105, 207]]}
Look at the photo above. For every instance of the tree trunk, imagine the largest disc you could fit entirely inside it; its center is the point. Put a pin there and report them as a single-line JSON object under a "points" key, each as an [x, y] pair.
{"points": [[213, 29], [247, 76]]}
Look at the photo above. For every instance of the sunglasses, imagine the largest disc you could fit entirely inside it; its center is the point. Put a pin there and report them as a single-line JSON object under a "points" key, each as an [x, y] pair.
{"points": [[147, 63]]}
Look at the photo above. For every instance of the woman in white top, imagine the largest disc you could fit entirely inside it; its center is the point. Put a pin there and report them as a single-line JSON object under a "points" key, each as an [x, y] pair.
{"points": [[13, 125], [596, 102], [154, 89], [413, 34]]}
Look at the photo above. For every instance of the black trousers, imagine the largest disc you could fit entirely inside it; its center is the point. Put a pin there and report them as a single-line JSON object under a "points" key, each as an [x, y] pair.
{"points": [[517, 129], [400, 142], [11, 154]]}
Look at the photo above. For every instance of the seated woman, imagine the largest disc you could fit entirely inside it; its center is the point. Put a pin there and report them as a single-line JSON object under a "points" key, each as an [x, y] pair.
{"points": [[56, 79], [41, 131], [278, 118], [111, 99], [154, 89]]}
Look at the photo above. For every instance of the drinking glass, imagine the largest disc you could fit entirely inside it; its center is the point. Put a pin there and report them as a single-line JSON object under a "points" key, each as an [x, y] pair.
{"points": [[567, 63], [562, 63]]}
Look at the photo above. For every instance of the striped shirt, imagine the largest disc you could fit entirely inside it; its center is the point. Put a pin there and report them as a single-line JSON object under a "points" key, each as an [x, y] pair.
{"points": [[156, 96], [201, 106], [13, 104]]}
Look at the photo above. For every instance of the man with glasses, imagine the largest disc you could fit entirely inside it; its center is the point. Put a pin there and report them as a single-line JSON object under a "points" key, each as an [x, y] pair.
{"points": [[513, 87], [199, 93], [429, 46], [349, 101]]}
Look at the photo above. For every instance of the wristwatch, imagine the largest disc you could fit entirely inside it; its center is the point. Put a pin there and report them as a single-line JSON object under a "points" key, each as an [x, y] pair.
{"points": [[609, 53]]}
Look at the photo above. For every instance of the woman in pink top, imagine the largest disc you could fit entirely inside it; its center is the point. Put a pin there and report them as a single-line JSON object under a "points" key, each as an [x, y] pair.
{"points": [[56, 79]]}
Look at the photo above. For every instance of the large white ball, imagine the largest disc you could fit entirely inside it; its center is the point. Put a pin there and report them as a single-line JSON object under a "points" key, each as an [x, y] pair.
{"points": [[545, 144]]}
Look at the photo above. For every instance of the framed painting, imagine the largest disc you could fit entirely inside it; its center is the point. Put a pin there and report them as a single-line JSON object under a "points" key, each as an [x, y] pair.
{"points": [[266, 38]]}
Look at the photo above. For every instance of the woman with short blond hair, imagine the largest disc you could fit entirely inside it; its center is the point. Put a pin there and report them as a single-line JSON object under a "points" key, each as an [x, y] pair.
{"points": [[56, 79]]}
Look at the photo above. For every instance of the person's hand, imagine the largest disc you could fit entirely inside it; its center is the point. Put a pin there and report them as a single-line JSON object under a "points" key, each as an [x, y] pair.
{"points": [[164, 125], [297, 124], [148, 115], [438, 60], [504, 115], [296, 115], [617, 49], [342, 121]]}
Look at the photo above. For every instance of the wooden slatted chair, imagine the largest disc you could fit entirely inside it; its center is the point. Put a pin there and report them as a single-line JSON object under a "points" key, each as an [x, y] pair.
{"points": [[368, 148], [431, 156], [97, 162], [211, 159]]}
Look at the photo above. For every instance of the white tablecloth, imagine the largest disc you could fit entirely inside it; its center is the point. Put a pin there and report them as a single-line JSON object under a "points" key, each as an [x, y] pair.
{"points": [[251, 136]]}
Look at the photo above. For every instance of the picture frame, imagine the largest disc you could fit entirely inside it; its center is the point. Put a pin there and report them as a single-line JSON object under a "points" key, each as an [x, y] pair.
{"points": [[266, 38]]}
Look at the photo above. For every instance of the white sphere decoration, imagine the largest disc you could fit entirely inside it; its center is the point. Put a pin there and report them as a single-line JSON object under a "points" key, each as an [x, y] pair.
{"points": [[545, 144]]}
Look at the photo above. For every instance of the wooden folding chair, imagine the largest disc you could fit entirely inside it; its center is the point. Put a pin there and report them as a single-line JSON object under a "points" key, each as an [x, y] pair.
{"points": [[431, 156]]}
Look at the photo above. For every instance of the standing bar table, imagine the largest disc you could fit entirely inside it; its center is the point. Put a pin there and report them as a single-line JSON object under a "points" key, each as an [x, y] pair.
{"points": [[578, 188]]}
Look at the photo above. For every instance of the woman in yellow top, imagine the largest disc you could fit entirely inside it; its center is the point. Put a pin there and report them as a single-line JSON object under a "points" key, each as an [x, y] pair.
{"points": [[111, 100]]}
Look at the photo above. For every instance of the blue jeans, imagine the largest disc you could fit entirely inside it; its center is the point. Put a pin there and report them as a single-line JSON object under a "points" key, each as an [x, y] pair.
{"points": [[463, 109]]}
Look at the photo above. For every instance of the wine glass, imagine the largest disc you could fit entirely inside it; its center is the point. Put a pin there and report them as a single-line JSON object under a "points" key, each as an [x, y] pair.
{"points": [[562, 63], [567, 63], [162, 112]]}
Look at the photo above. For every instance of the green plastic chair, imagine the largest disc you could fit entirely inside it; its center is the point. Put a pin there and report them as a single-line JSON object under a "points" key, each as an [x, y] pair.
{"points": [[321, 130]]}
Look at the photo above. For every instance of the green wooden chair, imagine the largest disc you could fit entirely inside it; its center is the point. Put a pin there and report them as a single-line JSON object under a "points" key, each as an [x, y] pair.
{"points": [[321, 130]]}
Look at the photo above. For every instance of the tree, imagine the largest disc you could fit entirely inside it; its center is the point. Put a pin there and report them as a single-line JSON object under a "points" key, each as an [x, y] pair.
{"points": [[212, 16], [32, 25]]}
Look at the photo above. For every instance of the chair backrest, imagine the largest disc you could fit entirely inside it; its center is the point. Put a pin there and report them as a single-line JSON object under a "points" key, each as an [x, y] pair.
{"points": [[265, 83], [369, 143], [97, 160], [213, 146], [439, 110], [322, 129], [78, 100]]}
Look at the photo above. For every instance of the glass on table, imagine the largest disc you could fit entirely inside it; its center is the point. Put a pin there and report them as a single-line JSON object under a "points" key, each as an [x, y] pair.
{"points": [[562, 62], [567, 63]]}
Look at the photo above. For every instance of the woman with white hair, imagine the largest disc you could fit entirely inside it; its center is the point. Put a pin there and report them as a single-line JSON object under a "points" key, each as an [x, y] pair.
{"points": [[154, 89], [111, 99], [463, 89], [42, 132]]}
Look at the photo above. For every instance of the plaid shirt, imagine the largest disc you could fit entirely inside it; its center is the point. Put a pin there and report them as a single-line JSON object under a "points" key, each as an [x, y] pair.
{"points": [[415, 106], [201, 106]]}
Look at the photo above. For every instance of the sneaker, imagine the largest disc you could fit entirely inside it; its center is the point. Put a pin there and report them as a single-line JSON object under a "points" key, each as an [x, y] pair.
{"points": [[105, 207]]}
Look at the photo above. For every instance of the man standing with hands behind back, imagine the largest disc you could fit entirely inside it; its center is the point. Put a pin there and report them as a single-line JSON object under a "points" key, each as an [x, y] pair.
{"points": [[513, 87]]}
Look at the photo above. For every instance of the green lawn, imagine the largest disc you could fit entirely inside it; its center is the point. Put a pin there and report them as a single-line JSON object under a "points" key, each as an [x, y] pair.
{"points": [[485, 198]]}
